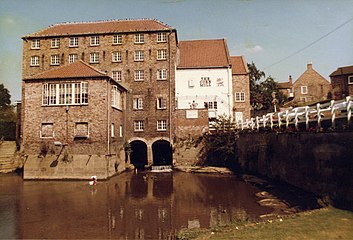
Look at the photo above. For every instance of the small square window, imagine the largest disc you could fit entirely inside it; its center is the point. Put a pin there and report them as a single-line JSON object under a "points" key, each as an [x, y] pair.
{"points": [[162, 74], [94, 41], [81, 130], [162, 54], [138, 126], [161, 37], [73, 42], [73, 58], [139, 55], [35, 44], [117, 76], [35, 61], [304, 89], [350, 79], [139, 75], [161, 103], [55, 60], [137, 103], [117, 39], [161, 125], [47, 130], [94, 57], [116, 56], [55, 43], [139, 38], [239, 97]]}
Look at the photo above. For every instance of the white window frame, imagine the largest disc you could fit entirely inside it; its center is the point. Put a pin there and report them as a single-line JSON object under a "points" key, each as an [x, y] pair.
{"points": [[162, 74], [161, 103], [121, 131], [212, 105], [162, 54], [139, 56], [137, 103], [116, 97], [117, 39], [52, 131], [239, 97], [304, 89], [139, 126], [94, 41], [112, 130], [350, 79], [94, 57], [191, 83], [55, 60], [238, 117], [117, 75], [74, 93], [162, 37], [139, 75], [55, 42], [117, 56], [73, 42], [161, 125], [73, 57], [34, 61], [35, 44], [139, 38]]}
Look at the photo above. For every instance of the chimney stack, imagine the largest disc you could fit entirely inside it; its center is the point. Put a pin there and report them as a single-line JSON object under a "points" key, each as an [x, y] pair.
{"points": [[310, 65], [290, 79]]}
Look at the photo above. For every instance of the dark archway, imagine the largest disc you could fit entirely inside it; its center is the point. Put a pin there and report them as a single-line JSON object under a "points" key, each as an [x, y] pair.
{"points": [[138, 155], [162, 153]]}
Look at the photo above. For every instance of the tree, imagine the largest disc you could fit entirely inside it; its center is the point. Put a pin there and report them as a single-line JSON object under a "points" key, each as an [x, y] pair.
{"points": [[263, 90], [7, 113], [4, 96]]}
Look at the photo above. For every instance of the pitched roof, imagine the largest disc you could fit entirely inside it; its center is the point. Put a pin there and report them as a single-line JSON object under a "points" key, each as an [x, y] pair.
{"points": [[342, 71], [77, 69], [284, 85], [203, 54], [239, 65], [99, 27]]}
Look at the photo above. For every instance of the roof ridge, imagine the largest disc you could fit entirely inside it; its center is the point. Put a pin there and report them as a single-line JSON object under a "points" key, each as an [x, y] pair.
{"points": [[194, 40], [108, 20]]}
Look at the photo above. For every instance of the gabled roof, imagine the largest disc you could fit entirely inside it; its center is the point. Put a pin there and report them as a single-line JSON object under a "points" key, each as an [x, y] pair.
{"points": [[342, 71], [284, 85], [239, 66], [77, 69], [203, 54], [99, 27]]}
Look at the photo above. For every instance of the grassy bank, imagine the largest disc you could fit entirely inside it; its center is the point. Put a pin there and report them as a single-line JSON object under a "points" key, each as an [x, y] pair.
{"points": [[327, 223]]}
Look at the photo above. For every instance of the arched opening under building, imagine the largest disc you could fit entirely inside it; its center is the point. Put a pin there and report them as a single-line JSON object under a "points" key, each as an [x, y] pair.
{"points": [[162, 153], [138, 155]]}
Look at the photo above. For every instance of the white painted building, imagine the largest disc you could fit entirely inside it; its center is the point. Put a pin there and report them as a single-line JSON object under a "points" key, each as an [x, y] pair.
{"points": [[204, 77]]}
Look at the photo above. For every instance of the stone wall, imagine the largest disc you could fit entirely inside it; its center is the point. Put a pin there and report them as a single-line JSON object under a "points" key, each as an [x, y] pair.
{"points": [[241, 83], [318, 162]]}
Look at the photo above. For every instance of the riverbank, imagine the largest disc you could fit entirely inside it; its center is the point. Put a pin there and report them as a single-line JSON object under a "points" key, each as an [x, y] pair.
{"points": [[325, 223]]}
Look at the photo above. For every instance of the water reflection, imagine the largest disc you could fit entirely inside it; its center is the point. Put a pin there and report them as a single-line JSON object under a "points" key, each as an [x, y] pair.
{"points": [[128, 206]]}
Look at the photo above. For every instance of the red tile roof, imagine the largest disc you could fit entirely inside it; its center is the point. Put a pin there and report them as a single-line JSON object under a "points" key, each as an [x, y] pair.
{"points": [[239, 66], [342, 71], [203, 54], [77, 69], [99, 27]]}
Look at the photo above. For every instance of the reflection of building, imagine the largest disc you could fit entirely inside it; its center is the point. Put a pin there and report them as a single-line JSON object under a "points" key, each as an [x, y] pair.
{"points": [[342, 82], [311, 86]]}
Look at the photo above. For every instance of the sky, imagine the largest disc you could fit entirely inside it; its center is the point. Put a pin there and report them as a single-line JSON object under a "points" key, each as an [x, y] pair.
{"points": [[280, 36]]}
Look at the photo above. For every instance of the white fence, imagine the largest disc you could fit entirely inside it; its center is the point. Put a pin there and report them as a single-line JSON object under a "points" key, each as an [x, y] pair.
{"points": [[330, 111]]}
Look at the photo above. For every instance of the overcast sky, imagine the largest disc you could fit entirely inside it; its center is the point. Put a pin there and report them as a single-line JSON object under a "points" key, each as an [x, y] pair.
{"points": [[279, 36]]}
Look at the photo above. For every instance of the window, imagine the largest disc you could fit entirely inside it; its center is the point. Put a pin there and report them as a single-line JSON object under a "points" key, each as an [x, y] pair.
{"points": [[238, 117], [212, 105], [81, 130], [35, 61], [55, 60], [73, 42], [161, 125], [138, 126], [55, 43], [139, 55], [161, 103], [47, 130], [162, 54], [35, 44], [94, 57], [139, 75], [162, 74], [116, 56], [117, 76], [137, 103], [240, 97], [112, 130], [191, 83], [116, 97], [161, 37], [121, 131], [304, 89], [205, 82], [73, 58], [94, 41], [65, 93], [139, 38], [350, 79], [117, 39]]}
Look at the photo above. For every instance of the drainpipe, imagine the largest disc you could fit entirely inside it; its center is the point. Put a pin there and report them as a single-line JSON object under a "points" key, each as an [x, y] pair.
{"points": [[108, 118], [170, 89]]}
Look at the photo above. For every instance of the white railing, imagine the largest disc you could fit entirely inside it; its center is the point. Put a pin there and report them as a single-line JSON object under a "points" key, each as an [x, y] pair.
{"points": [[332, 111]]}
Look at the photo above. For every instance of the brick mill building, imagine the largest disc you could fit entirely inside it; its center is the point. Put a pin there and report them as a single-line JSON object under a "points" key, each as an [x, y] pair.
{"points": [[100, 94]]}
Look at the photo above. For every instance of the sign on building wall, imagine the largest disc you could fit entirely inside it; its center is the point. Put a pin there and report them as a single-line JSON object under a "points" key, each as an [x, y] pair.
{"points": [[191, 114]]}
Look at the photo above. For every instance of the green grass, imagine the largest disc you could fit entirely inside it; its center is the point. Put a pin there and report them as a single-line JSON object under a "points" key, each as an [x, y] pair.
{"points": [[327, 223]]}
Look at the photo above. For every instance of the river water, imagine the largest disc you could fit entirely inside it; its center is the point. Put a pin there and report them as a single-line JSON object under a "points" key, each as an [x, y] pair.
{"points": [[128, 206]]}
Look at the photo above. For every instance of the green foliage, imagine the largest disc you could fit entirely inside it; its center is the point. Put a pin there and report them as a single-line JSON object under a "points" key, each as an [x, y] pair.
{"points": [[7, 115], [4, 96], [263, 90]]}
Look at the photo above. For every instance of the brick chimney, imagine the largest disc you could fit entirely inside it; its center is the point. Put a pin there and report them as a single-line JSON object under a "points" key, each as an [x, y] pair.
{"points": [[290, 79], [310, 65]]}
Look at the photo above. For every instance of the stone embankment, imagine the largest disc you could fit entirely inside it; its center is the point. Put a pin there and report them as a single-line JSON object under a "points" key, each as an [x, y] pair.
{"points": [[8, 159]]}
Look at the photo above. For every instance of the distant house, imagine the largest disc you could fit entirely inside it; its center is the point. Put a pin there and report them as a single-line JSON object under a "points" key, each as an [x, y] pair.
{"points": [[241, 88], [342, 82], [203, 77], [311, 86], [286, 88]]}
